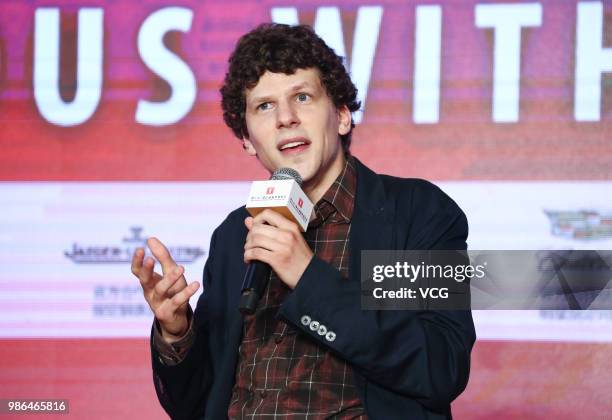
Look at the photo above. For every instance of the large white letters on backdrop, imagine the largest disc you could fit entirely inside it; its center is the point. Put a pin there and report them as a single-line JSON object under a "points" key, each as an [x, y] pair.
{"points": [[506, 20]]}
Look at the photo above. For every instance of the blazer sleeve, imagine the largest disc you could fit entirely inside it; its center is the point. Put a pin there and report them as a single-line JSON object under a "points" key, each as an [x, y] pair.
{"points": [[182, 389], [424, 355]]}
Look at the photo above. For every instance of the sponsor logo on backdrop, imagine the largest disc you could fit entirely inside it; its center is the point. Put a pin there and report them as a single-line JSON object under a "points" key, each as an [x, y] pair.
{"points": [[580, 224], [119, 254]]}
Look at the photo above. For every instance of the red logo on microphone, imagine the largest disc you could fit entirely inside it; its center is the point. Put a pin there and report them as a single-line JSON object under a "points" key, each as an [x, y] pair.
{"points": [[300, 202], [270, 190]]}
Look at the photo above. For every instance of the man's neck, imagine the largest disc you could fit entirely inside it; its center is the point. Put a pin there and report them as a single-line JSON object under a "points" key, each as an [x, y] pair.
{"points": [[318, 185]]}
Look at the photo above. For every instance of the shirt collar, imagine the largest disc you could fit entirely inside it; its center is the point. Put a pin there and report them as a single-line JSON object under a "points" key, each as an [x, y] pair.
{"points": [[336, 205]]}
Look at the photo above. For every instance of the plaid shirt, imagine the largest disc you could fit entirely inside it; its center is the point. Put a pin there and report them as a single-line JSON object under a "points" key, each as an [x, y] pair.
{"points": [[280, 371]]}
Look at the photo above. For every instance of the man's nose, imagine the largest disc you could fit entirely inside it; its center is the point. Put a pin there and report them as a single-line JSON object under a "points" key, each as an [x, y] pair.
{"points": [[286, 115]]}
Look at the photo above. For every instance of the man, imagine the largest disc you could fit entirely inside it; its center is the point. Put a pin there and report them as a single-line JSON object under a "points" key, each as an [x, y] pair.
{"points": [[309, 351]]}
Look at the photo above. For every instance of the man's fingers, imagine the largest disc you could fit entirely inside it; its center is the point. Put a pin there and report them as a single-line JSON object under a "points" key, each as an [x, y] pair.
{"points": [[258, 254], [266, 236], [274, 219], [168, 311], [160, 252], [163, 294], [146, 273], [137, 261], [143, 269], [177, 286], [184, 295], [264, 242], [148, 278], [169, 280]]}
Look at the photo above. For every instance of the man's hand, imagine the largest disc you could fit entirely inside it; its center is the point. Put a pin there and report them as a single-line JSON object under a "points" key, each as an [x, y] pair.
{"points": [[277, 241], [167, 295]]}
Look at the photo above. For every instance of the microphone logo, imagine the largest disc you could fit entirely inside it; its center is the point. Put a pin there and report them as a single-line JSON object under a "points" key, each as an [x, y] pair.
{"points": [[300, 202], [270, 190]]}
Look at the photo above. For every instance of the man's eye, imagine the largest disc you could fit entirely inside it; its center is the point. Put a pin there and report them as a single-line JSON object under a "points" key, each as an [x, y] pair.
{"points": [[302, 97], [264, 106]]}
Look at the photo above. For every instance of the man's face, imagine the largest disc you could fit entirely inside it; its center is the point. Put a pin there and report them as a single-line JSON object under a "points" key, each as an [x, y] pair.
{"points": [[292, 122]]}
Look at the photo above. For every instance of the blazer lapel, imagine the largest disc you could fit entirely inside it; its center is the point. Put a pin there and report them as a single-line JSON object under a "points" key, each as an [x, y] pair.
{"points": [[372, 224]]}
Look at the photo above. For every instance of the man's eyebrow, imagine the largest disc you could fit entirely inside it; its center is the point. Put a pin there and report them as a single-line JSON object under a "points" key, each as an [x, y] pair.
{"points": [[259, 99], [294, 88]]}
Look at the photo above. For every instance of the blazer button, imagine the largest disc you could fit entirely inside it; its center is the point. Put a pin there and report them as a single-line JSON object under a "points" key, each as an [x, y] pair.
{"points": [[305, 320], [314, 325], [322, 330], [330, 336]]}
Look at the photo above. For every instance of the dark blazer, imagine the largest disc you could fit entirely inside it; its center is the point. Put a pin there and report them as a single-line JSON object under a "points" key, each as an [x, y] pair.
{"points": [[407, 364]]}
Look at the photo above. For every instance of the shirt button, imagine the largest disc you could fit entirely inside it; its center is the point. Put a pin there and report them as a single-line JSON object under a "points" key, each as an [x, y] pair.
{"points": [[263, 394], [305, 320], [314, 325], [278, 339]]}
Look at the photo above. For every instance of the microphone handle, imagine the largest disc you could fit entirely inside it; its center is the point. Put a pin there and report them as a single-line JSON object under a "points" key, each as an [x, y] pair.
{"points": [[253, 286]]}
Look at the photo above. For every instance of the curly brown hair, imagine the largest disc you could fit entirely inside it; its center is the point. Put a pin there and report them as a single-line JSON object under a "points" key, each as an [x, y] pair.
{"points": [[284, 49]]}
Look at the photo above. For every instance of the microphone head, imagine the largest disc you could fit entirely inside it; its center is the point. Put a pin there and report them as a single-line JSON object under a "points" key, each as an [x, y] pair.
{"points": [[287, 173]]}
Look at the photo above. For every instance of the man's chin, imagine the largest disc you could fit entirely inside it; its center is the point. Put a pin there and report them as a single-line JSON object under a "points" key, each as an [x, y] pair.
{"points": [[305, 172]]}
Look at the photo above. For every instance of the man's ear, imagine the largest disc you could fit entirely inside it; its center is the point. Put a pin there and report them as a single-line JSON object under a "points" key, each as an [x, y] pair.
{"points": [[344, 120], [248, 147]]}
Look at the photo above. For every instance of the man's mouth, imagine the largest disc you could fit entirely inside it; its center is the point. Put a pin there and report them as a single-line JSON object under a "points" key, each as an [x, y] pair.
{"points": [[293, 145]]}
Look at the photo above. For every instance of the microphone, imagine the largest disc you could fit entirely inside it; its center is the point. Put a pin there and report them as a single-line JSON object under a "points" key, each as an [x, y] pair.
{"points": [[283, 194]]}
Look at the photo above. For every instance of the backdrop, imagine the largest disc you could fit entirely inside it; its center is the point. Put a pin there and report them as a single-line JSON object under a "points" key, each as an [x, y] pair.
{"points": [[111, 131]]}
